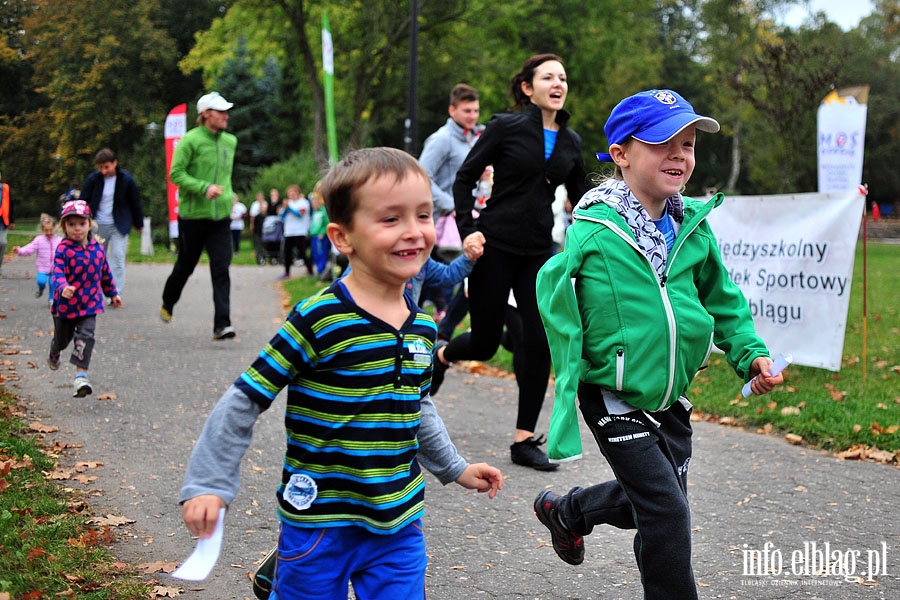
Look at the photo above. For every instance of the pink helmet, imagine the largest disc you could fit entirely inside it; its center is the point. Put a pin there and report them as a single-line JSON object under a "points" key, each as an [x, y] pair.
{"points": [[78, 208]]}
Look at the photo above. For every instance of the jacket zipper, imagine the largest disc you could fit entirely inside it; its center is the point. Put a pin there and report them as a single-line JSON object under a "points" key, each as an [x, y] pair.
{"points": [[664, 296]]}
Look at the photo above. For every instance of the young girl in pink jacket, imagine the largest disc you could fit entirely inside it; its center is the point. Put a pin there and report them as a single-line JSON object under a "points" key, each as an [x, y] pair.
{"points": [[44, 248]]}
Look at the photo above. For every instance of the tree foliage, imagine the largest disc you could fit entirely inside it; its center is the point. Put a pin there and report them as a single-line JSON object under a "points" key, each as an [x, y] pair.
{"points": [[77, 77]]}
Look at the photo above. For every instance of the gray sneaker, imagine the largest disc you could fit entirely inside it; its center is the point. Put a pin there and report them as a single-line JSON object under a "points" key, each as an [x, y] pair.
{"points": [[224, 333], [82, 387]]}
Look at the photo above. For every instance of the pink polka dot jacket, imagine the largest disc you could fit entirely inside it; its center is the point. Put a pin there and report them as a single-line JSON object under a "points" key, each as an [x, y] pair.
{"points": [[85, 267]]}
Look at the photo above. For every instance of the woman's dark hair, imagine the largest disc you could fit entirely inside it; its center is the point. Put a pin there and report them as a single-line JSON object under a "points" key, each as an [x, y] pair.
{"points": [[527, 74]]}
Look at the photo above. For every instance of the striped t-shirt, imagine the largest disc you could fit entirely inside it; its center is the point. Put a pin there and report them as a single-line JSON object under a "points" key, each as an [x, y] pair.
{"points": [[354, 386]]}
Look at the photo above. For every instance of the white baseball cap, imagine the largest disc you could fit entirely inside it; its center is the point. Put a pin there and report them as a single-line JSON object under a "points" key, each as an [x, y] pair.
{"points": [[214, 101]]}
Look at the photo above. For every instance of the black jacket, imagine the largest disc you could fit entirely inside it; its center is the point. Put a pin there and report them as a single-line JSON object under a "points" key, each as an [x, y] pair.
{"points": [[518, 217], [127, 209]]}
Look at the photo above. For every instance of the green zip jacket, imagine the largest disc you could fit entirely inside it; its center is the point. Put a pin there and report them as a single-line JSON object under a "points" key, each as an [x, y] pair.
{"points": [[201, 159], [613, 322]]}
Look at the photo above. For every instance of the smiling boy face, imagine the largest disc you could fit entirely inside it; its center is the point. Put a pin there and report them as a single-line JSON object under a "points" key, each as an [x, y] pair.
{"points": [[392, 232]]}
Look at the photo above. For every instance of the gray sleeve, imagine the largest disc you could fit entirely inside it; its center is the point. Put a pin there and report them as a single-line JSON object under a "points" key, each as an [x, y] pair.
{"points": [[436, 451], [433, 156], [214, 467]]}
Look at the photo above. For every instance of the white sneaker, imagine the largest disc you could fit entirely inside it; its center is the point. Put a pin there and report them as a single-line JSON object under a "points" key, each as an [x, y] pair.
{"points": [[82, 387]]}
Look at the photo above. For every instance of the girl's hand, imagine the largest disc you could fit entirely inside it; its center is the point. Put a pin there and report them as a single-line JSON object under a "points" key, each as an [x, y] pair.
{"points": [[117, 301], [15, 249], [473, 245], [68, 291]]}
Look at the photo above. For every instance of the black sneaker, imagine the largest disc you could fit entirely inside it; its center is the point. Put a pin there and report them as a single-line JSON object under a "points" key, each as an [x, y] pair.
{"points": [[265, 575], [53, 361], [568, 545], [437, 375], [527, 454], [224, 333]]}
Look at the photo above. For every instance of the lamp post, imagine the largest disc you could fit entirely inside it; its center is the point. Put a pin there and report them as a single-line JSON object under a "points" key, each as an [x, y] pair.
{"points": [[146, 237], [58, 158]]}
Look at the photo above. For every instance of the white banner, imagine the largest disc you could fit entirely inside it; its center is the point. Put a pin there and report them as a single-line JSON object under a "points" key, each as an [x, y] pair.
{"points": [[842, 134], [792, 256]]}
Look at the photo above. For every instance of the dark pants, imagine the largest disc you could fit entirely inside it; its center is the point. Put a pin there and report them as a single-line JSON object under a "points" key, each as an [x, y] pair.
{"points": [[82, 330], [495, 274], [195, 235], [236, 240], [650, 461], [300, 243]]}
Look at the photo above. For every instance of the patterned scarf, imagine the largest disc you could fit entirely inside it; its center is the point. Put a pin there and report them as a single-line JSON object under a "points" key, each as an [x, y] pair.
{"points": [[650, 240]]}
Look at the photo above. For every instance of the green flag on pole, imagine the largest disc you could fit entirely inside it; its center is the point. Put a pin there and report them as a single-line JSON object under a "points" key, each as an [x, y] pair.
{"points": [[328, 68]]}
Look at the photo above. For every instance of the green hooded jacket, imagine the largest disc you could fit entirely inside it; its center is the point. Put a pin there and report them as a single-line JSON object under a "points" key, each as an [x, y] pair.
{"points": [[201, 159], [612, 321]]}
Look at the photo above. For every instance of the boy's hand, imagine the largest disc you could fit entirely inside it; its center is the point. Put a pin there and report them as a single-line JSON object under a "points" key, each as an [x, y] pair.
{"points": [[482, 477], [117, 301], [473, 245], [765, 382], [200, 514]]}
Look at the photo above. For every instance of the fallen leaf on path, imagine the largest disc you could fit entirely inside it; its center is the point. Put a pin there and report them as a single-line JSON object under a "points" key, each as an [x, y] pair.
{"points": [[111, 521], [41, 428], [162, 591], [154, 567], [109, 396], [793, 438]]}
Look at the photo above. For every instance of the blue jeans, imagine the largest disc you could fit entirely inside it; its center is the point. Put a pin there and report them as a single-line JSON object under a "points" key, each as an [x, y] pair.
{"points": [[116, 247], [319, 564]]}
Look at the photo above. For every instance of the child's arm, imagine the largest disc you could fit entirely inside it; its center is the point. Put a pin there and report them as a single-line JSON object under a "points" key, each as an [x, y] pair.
{"points": [[439, 456], [26, 250], [212, 475]]}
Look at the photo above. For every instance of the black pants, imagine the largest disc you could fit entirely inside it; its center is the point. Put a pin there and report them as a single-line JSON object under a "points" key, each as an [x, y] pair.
{"points": [[81, 329], [649, 454], [495, 274], [301, 244], [195, 235]]}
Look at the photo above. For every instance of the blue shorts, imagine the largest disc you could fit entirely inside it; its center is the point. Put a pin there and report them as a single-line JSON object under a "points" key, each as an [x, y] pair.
{"points": [[319, 564]]}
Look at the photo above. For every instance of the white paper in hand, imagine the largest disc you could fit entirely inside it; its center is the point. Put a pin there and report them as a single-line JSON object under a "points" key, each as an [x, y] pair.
{"points": [[201, 562]]}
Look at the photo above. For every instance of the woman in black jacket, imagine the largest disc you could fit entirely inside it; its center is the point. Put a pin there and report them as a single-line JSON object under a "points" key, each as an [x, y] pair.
{"points": [[532, 151]]}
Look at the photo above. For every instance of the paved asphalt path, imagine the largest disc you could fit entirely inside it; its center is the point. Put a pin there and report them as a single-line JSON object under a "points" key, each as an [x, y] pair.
{"points": [[747, 490]]}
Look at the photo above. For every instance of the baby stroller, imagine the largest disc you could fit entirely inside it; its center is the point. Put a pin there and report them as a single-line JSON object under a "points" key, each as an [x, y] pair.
{"points": [[271, 239]]}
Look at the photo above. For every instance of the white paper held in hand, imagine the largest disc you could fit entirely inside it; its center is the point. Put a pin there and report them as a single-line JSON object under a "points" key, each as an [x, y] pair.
{"points": [[200, 563], [778, 365]]}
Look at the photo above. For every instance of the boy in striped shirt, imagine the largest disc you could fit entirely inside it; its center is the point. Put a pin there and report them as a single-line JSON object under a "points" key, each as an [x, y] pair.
{"points": [[356, 359]]}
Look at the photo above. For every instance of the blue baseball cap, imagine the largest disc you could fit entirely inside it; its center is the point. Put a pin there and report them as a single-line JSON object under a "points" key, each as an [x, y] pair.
{"points": [[652, 117]]}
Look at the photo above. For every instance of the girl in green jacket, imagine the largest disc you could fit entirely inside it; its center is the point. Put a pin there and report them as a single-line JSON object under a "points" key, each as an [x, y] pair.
{"points": [[640, 294]]}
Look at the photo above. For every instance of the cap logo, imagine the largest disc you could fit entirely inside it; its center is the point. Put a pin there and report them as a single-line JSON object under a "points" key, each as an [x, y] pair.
{"points": [[665, 97]]}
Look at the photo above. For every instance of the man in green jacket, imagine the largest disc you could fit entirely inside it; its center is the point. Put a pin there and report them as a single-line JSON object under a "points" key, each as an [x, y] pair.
{"points": [[201, 168]]}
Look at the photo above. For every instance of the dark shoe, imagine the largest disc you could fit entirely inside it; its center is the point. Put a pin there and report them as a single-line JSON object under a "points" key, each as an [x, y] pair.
{"points": [[39, 292], [265, 575], [527, 454], [437, 375], [568, 545], [224, 333], [53, 361]]}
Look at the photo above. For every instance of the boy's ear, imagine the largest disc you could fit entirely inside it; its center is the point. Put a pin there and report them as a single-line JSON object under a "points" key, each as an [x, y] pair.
{"points": [[617, 152], [338, 235]]}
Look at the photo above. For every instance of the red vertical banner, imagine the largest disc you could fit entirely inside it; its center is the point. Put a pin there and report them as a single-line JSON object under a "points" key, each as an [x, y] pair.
{"points": [[176, 126]]}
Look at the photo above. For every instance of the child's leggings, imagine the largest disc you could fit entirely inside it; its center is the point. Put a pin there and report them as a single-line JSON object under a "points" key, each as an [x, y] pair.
{"points": [[82, 330], [649, 454]]}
